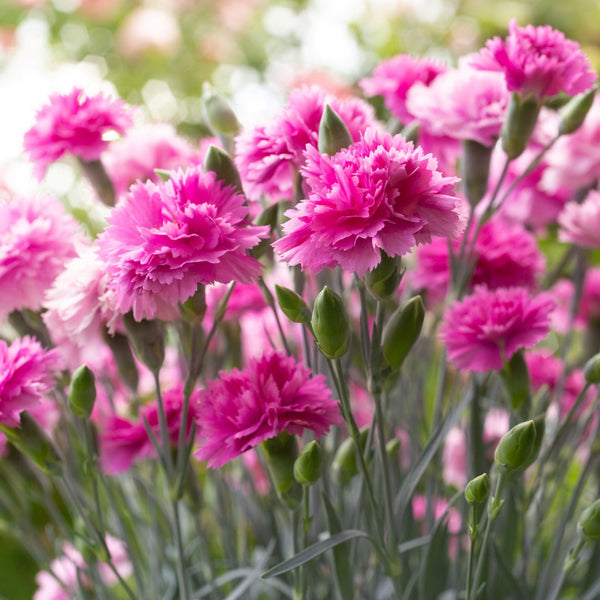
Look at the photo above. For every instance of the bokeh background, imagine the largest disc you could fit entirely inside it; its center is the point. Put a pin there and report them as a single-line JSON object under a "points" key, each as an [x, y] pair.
{"points": [[157, 55]]}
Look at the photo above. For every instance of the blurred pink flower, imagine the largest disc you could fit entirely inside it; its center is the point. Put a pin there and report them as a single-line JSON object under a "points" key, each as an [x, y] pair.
{"points": [[422, 505], [27, 374], [74, 124], [393, 78], [164, 240], [36, 238], [241, 409], [483, 330], [268, 157], [381, 193], [454, 458], [589, 303], [537, 61], [580, 223], [464, 103]]}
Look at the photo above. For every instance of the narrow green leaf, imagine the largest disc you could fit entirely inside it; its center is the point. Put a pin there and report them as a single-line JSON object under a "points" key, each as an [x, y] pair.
{"points": [[516, 586], [313, 551]]}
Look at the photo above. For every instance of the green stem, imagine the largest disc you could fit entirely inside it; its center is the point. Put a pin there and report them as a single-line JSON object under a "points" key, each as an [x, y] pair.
{"points": [[473, 536], [182, 576]]}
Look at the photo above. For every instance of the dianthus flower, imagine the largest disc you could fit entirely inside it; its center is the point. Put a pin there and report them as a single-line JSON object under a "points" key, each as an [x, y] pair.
{"points": [[27, 373], [483, 330], [580, 223], [393, 78], [36, 238], [269, 157], [164, 240], [464, 103], [537, 61], [241, 409], [588, 310], [381, 193], [74, 124]]}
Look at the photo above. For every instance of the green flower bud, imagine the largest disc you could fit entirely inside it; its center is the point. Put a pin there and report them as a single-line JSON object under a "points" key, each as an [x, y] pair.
{"points": [[82, 392], [164, 174], [477, 489], [309, 465], [384, 279], [402, 331], [589, 522], [220, 163], [575, 111], [516, 378], [330, 324], [333, 133], [344, 465], [218, 112], [147, 339], [292, 305], [591, 370], [475, 170], [194, 308], [519, 123], [516, 448], [281, 453], [119, 346], [393, 447]]}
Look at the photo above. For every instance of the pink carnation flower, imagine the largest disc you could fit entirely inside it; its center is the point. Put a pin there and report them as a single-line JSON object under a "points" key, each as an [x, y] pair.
{"points": [[394, 78], [269, 157], [36, 238], [165, 240], [74, 124], [381, 193], [241, 409], [27, 373], [483, 330], [589, 303], [445, 108], [537, 61], [580, 223], [454, 458]]}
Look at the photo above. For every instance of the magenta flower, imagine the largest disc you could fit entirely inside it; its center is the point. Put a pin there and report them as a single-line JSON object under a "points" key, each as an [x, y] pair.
{"points": [[537, 61], [445, 107], [381, 193], [164, 240], [483, 330], [269, 157], [393, 79], [36, 238], [580, 223], [74, 124], [27, 373], [241, 409]]}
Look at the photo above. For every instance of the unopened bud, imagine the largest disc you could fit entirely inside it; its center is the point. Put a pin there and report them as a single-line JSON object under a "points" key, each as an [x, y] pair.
{"points": [[589, 522], [309, 464], [281, 453], [575, 111], [220, 163], [218, 112], [475, 170], [519, 123], [345, 466], [82, 392], [516, 379], [330, 324], [393, 447], [194, 308], [333, 133], [384, 279], [477, 489], [119, 346], [147, 339], [591, 370], [517, 447], [402, 331], [292, 305]]}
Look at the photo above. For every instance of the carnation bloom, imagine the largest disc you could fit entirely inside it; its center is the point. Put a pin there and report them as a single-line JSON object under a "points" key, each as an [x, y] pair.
{"points": [[26, 374], [269, 157], [393, 79], [580, 223], [588, 310], [381, 193], [164, 240], [483, 330], [464, 103], [74, 124], [241, 409], [36, 238], [537, 61], [454, 458]]}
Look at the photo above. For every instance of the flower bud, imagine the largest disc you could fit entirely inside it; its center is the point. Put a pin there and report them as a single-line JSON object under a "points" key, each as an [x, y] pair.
{"points": [[292, 305], [589, 522], [121, 350], [281, 453], [591, 370], [309, 465], [82, 392], [333, 133], [147, 339], [392, 448], [220, 163], [330, 324], [477, 489], [475, 170], [344, 464], [516, 379], [384, 279], [218, 112], [575, 111], [402, 331], [194, 308], [519, 123], [517, 447]]}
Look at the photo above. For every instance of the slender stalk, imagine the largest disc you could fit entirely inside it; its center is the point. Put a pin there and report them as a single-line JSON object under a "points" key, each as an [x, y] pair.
{"points": [[473, 536]]}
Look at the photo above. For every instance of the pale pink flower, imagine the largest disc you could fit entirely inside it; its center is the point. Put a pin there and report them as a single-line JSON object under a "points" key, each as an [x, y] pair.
{"points": [[454, 458], [496, 424], [241, 409], [589, 303], [464, 103], [485, 329], [27, 374], [164, 240], [537, 61], [381, 193], [544, 368], [269, 157], [75, 124], [580, 223], [393, 78], [36, 238], [144, 149], [422, 506]]}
